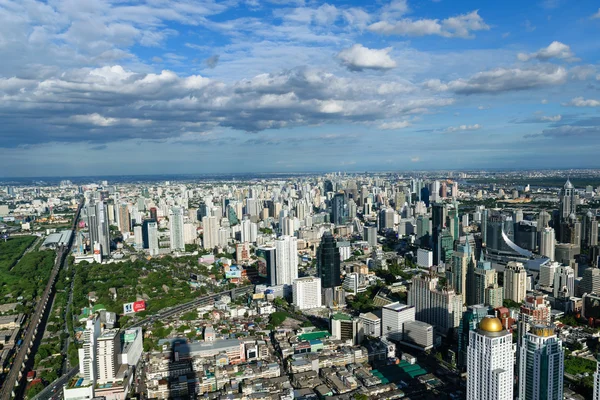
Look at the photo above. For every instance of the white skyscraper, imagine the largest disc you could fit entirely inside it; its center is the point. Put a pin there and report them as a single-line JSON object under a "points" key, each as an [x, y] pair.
{"points": [[107, 351], [547, 243], [564, 281], [286, 254], [210, 226], [306, 292], [515, 281], [153, 238], [541, 365], [103, 231], [394, 316], [490, 362], [176, 228], [547, 272], [87, 353], [434, 305]]}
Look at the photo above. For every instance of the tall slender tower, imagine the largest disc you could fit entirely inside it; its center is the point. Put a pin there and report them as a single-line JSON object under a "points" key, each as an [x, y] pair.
{"points": [[541, 365], [103, 230], [328, 262], [176, 228], [286, 253], [490, 362]]}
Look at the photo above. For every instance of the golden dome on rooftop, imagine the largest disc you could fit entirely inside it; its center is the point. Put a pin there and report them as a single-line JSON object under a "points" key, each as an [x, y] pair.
{"points": [[491, 324]]}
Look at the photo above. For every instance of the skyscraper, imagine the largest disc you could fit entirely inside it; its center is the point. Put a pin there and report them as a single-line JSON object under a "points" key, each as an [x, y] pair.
{"points": [[590, 230], [328, 261], [286, 253], [210, 228], [124, 218], [150, 236], [176, 228], [469, 322], [547, 243], [535, 310], [541, 365], [564, 281], [339, 211], [92, 222], [435, 305], [515, 282], [103, 228], [462, 258], [490, 362], [568, 201], [306, 292]]}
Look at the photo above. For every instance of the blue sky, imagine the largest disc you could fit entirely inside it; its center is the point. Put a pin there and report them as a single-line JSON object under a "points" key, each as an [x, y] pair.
{"points": [[93, 87]]}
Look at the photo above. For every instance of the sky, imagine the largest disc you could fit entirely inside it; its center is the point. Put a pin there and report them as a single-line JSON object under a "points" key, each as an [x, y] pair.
{"points": [[109, 87]]}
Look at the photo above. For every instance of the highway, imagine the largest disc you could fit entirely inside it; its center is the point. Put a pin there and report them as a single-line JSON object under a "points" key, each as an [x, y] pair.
{"points": [[49, 394], [15, 380], [55, 389], [199, 302]]}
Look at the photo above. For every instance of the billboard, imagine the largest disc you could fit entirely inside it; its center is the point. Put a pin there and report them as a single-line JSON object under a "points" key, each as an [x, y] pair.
{"points": [[136, 306]]}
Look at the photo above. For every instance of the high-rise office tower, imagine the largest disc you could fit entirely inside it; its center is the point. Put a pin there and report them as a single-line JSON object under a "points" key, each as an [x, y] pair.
{"points": [[267, 263], [590, 283], [546, 277], [386, 219], [103, 228], [469, 322], [108, 348], [564, 281], [286, 254], [154, 213], [423, 234], [568, 201], [306, 292], [541, 365], [515, 281], [339, 211], [150, 236], [590, 230], [490, 362], [393, 318], [176, 228], [92, 222], [328, 261], [124, 218], [547, 243], [210, 228], [370, 235], [484, 278], [435, 305], [87, 353], [462, 259], [543, 219]]}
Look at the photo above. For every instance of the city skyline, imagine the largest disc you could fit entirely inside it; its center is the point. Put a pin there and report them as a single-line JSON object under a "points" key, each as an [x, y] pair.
{"points": [[179, 86]]}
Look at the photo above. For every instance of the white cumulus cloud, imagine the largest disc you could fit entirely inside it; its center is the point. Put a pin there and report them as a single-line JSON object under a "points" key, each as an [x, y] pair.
{"points": [[394, 125], [358, 57], [597, 15], [460, 26], [581, 102], [463, 128], [554, 50]]}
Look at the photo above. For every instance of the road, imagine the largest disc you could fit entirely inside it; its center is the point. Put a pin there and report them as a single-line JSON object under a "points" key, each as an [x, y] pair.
{"points": [[13, 381], [201, 301], [47, 393], [65, 349], [54, 390]]}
